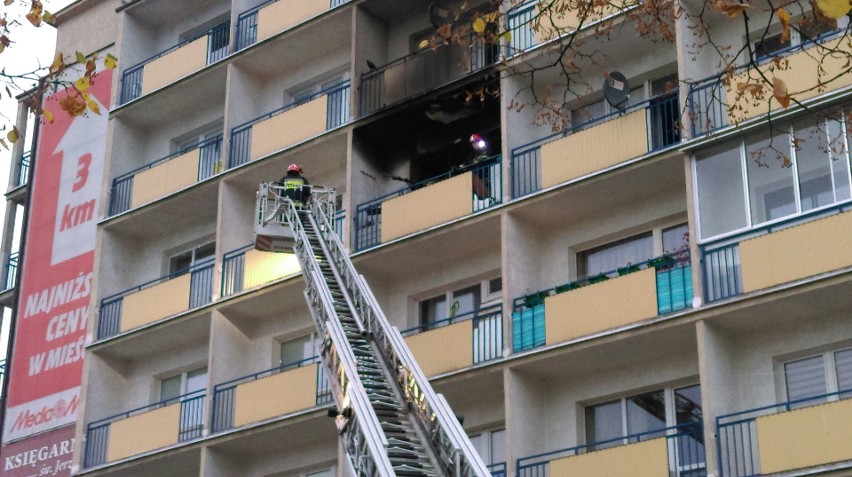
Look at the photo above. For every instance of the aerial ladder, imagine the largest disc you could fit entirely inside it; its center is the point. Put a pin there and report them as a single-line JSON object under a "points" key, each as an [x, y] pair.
{"points": [[391, 421]]}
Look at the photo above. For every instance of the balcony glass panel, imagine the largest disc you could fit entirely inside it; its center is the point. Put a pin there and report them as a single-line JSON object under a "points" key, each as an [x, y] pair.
{"points": [[246, 268]]}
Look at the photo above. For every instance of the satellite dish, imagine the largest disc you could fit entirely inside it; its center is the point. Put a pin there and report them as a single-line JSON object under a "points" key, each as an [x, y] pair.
{"points": [[440, 15], [616, 90]]}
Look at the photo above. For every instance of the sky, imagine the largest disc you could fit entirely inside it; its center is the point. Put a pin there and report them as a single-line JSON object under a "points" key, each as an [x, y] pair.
{"points": [[31, 48]]}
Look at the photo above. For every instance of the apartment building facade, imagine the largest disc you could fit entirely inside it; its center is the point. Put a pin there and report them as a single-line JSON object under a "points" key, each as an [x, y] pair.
{"points": [[645, 291]]}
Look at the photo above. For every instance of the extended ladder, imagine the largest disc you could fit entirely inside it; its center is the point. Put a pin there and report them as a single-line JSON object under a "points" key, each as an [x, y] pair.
{"points": [[391, 421]]}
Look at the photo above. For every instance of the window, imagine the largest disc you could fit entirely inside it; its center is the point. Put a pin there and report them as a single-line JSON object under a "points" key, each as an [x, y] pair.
{"points": [[182, 262], [327, 472], [818, 375], [676, 240], [460, 301], [663, 86], [763, 179], [647, 415], [189, 382], [219, 37], [607, 258], [304, 92], [490, 445], [800, 32], [208, 140], [299, 349]]}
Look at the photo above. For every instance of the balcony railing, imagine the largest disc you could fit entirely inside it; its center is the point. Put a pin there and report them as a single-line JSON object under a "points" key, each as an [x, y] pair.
{"points": [[662, 119], [673, 282], [782, 433], [229, 404], [423, 71], [738, 264], [197, 292], [141, 430], [295, 127], [166, 175], [23, 169], [10, 271], [519, 22], [247, 22], [713, 101], [487, 192], [246, 268], [498, 469], [486, 338], [203, 49], [681, 455]]}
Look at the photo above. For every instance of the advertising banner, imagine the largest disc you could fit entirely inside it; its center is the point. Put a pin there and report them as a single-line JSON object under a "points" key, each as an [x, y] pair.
{"points": [[49, 454], [44, 385]]}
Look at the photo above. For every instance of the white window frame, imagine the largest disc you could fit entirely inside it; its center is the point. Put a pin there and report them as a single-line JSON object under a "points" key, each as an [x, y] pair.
{"points": [[829, 369], [303, 91], [486, 296], [647, 92], [796, 38], [194, 260], [313, 337], [488, 435], [197, 136], [184, 378]]}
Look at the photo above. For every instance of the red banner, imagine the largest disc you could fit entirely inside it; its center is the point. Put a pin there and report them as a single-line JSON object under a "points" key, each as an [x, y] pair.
{"points": [[49, 454], [44, 385]]}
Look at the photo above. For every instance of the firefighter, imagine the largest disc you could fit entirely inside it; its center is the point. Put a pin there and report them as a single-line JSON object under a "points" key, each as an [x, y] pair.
{"points": [[294, 185]]}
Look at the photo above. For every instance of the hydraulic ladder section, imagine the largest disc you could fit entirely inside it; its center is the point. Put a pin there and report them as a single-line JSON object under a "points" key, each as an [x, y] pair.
{"points": [[391, 421]]}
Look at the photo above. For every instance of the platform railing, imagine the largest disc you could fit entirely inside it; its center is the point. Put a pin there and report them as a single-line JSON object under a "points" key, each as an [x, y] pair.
{"points": [[23, 169], [368, 215], [664, 132], [247, 23], [210, 151], [487, 337], [10, 270]]}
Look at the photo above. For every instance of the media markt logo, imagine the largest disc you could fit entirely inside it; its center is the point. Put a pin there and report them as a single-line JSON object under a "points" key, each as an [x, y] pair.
{"points": [[43, 414]]}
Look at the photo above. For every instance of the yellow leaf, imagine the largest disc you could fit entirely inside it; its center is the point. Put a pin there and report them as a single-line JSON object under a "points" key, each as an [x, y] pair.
{"points": [[110, 62], [57, 63], [730, 8], [48, 116], [34, 18], [82, 84], [13, 135], [779, 92], [423, 44], [3, 142], [834, 9], [49, 18], [93, 106], [81, 58], [479, 25], [784, 18], [2, 47]]}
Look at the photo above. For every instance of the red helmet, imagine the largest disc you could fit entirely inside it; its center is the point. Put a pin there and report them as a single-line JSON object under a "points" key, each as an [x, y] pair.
{"points": [[294, 168]]}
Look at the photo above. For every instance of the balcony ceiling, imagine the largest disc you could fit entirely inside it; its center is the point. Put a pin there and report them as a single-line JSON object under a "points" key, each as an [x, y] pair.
{"points": [[179, 463], [161, 12], [302, 434], [388, 10], [190, 333], [252, 312]]}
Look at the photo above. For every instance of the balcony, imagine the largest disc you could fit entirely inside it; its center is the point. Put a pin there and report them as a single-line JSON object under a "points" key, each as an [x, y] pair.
{"points": [[10, 270], [432, 202], [247, 268], [275, 16], [175, 63], [643, 128], [654, 288], [23, 169], [290, 125], [423, 71], [269, 394], [458, 342], [144, 429], [787, 436], [749, 262], [676, 451], [714, 102], [166, 176], [152, 301]]}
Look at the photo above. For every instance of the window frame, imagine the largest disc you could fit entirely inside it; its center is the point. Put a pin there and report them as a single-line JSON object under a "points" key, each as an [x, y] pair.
{"points": [[487, 298], [828, 368], [194, 259], [488, 443], [184, 381], [647, 86], [312, 335]]}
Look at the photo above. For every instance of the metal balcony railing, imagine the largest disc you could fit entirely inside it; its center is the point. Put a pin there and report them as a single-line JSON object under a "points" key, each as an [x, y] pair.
{"points": [[191, 425], [707, 98], [218, 40], [23, 169], [674, 293], [488, 173], [224, 395], [247, 23], [737, 433], [487, 331], [10, 270], [200, 294], [423, 71], [498, 469], [685, 445], [210, 151], [519, 22], [663, 113], [337, 115]]}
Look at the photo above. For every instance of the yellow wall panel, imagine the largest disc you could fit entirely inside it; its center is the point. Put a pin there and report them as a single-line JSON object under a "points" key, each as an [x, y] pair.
{"points": [[143, 432], [165, 178], [276, 395], [263, 267], [432, 205], [797, 252], [560, 23], [643, 459], [288, 128], [807, 71], [601, 306], [283, 14], [443, 349], [156, 302], [174, 65], [593, 149], [805, 437]]}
